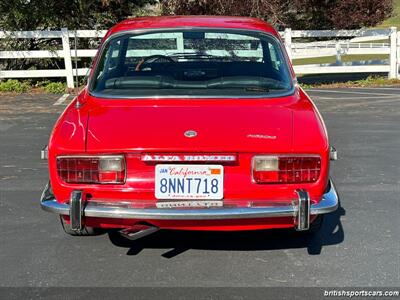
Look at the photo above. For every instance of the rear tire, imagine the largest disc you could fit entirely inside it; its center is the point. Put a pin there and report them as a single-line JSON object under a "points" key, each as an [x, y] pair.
{"points": [[85, 231]]}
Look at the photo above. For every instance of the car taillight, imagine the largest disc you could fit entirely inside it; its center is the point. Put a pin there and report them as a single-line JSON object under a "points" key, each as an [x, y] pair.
{"points": [[286, 169], [91, 169]]}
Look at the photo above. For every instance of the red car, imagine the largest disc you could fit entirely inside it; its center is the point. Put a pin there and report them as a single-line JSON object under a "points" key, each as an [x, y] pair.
{"points": [[190, 123]]}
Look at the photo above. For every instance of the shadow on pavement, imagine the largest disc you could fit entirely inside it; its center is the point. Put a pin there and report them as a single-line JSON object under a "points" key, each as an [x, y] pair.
{"points": [[331, 233]]}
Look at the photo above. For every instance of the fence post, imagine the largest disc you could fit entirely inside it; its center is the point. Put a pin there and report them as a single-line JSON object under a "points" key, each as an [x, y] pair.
{"points": [[288, 42], [398, 55], [67, 58], [180, 47], [338, 48], [393, 73]]}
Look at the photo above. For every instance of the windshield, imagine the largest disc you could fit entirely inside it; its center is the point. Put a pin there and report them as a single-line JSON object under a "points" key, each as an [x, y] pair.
{"points": [[195, 62]]}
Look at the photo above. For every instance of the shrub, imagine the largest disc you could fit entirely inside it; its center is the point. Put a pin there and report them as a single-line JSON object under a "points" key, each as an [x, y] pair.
{"points": [[13, 85], [364, 13], [55, 88], [42, 83], [53, 15], [297, 14]]}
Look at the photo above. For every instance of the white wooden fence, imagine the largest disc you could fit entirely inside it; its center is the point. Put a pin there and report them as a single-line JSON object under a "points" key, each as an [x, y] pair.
{"points": [[355, 46], [344, 42]]}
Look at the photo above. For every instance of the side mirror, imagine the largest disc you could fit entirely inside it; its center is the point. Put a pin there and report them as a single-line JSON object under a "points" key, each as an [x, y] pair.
{"points": [[333, 153]]}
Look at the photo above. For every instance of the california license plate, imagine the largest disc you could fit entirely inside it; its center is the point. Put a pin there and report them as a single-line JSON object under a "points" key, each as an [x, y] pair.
{"points": [[189, 182]]}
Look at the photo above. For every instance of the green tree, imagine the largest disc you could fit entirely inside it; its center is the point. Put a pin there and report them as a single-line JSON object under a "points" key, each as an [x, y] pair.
{"points": [[297, 14], [53, 15], [73, 14]]}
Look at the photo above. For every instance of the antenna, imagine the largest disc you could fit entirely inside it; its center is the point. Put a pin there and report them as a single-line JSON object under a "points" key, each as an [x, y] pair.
{"points": [[76, 69]]}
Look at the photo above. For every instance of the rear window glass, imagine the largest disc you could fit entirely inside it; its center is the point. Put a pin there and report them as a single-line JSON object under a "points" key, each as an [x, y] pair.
{"points": [[199, 63]]}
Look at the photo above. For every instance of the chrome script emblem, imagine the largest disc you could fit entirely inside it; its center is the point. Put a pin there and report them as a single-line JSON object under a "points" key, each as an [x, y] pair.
{"points": [[190, 133], [261, 136], [186, 157]]}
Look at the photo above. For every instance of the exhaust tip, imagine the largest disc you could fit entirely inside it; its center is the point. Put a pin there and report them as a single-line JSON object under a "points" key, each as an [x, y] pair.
{"points": [[138, 231]]}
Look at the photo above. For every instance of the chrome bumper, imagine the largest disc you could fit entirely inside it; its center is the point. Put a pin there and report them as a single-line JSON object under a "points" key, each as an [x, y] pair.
{"points": [[300, 210]]}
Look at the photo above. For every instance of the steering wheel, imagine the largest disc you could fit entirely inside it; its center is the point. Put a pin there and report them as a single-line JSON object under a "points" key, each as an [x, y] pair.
{"points": [[152, 59]]}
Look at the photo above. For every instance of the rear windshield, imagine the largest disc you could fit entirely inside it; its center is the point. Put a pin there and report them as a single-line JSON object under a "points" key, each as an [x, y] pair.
{"points": [[198, 63]]}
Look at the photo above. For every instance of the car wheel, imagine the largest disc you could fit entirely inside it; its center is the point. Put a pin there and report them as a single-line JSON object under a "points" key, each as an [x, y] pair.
{"points": [[85, 231]]}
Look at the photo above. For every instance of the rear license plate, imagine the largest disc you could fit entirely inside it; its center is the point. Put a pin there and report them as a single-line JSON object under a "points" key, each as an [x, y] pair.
{"points": [[194, 182]]}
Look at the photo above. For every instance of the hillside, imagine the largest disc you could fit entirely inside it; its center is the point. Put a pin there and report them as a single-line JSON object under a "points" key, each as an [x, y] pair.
{"points": [[395, 19]]}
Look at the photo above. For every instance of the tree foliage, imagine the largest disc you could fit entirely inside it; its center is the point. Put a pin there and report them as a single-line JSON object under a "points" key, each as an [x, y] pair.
{"points": [[102, 14], [53, 15], [360, 13], [297, 14], [73, 14]]}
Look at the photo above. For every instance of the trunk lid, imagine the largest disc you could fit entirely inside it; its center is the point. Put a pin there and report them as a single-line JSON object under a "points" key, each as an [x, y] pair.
{"points": [[162, 129]]}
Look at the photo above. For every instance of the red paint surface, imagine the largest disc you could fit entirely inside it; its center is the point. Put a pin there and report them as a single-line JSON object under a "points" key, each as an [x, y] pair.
{"points": [[134, 127]]}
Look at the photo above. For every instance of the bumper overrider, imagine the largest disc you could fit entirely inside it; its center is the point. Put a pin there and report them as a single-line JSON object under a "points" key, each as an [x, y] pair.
{"points": [[301, 209]]}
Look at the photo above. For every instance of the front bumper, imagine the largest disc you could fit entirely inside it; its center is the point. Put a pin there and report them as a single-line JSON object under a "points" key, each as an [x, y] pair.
{"points": [[300, 210]]}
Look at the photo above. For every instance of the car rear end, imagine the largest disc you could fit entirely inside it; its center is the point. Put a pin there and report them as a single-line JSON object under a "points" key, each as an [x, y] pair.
{"points": [[214, 137], [250, 191]]}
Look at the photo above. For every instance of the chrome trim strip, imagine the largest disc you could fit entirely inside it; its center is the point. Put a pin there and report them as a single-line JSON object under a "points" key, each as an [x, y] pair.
{"points": [[91, 156], [101, 96], [328, 203]]}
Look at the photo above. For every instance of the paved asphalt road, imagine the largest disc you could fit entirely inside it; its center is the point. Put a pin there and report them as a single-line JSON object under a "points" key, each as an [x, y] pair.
{"points": [[359, 244]]}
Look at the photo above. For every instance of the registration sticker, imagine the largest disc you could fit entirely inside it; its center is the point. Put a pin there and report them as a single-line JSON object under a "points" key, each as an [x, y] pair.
{"points": [[192, 182]]}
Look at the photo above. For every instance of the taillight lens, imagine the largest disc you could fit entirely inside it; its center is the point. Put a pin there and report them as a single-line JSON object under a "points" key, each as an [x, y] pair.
{"points": [[286, 169], [91, 169]]}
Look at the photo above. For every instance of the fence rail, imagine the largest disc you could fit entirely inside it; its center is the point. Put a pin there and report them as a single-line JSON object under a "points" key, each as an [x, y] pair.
{"points": [[362, 42]]}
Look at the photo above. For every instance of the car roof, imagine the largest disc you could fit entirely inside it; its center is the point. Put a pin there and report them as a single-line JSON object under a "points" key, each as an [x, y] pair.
{"points": [[244, 23]]}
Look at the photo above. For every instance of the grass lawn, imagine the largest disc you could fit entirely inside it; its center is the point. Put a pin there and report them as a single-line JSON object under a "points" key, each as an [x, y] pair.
{"points": [[332, 59], [395, 19]]}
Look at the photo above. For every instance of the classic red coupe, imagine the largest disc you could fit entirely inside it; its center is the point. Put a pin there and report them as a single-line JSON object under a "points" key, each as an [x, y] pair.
{"points": [[190, 123]]}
